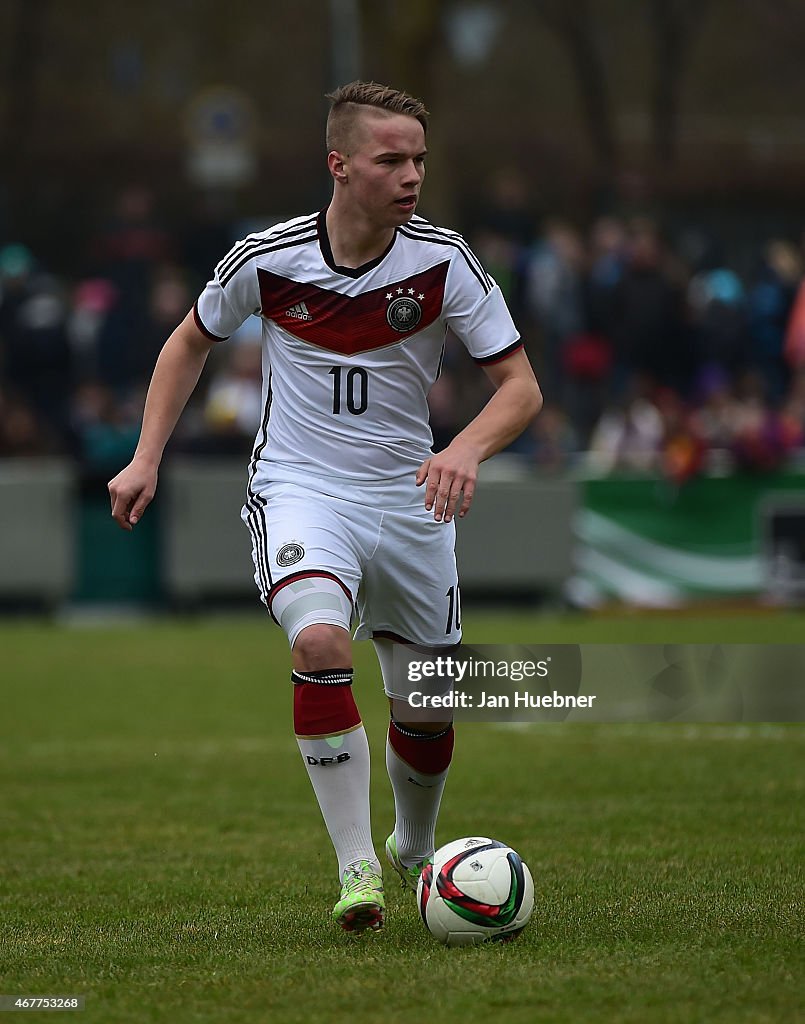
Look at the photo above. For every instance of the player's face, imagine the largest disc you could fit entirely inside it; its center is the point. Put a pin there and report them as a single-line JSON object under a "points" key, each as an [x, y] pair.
{"points": [[386, 167]]}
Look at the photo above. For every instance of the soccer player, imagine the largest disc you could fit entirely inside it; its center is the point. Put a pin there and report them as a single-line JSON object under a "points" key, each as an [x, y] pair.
{"points": [[351, 514]]}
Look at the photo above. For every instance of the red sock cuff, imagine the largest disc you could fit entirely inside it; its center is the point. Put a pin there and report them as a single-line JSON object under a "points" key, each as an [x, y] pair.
{"points": [[323, 710], [429, 753]]}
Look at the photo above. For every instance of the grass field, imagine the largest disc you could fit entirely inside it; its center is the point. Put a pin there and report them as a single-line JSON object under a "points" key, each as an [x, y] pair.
{"points": [[161, 854]]}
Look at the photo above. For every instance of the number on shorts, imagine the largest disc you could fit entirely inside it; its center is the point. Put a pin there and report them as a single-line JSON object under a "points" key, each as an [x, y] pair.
{"points": [[453, 609]]}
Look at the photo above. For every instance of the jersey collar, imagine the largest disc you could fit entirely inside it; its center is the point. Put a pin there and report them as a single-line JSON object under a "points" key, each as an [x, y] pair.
{"points": [[327, 252]]}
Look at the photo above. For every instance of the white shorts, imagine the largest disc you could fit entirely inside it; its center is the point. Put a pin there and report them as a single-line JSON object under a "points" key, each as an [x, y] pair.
{"points": [[396, 567]]}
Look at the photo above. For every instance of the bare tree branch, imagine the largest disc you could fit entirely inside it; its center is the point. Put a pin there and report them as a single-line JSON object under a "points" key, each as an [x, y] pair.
{"points": [[574, 25], [674, 25]]}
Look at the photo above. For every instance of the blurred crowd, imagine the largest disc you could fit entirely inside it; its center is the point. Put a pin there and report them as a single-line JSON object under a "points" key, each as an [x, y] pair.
{"points": [[657, 357], [655, 353]]}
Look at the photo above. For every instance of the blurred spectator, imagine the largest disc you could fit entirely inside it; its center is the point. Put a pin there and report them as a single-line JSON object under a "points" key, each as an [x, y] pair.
{"points": [[133, 242], [718, 411], [234, 404], [587, 363], [607, 262], [629, 436], [648, 330], [719, 320], [169, 299], [763, 437], [794, 407], [588, 356], [126, 348], [128, 252], [771, 299], [105, 429], [554, 298], [683, 450], [554, 442], [21, 430], [794, 351], [16, 277], [92, 301], [36, 351]]}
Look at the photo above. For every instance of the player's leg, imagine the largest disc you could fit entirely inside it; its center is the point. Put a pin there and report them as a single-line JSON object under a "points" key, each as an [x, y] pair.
{"points": [[304, 540], [412, 595], [334, 747], [418, 756]]}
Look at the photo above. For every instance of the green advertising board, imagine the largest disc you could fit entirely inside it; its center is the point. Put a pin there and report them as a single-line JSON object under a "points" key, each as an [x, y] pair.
{"points": [[646, 541]]}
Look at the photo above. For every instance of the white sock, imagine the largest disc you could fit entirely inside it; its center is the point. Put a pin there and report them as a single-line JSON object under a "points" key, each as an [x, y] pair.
{"points": [[417, 794], [338, 768], [417, 797]]}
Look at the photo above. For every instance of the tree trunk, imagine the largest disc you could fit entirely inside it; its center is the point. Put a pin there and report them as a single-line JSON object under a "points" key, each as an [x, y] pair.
{"points": [[673, 24], [572, 22]]}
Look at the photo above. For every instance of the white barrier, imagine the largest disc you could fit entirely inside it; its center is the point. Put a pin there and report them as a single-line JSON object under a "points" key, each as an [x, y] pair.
{"points": [[517, 540], [37, 530]]}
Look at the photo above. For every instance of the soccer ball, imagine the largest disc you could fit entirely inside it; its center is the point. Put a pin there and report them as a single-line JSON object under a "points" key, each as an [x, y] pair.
{"points": [[477, 889]]}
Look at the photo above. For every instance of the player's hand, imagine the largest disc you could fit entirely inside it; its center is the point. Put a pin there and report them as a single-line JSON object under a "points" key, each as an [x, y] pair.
{"points": [[451, 476], [131, 491]]}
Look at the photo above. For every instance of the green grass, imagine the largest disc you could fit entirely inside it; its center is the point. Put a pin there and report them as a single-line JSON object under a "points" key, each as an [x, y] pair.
{"points": [[161, 853]]}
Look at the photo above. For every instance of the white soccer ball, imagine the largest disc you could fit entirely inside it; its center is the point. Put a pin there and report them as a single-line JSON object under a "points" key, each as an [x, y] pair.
{"points": [[476, 890]]}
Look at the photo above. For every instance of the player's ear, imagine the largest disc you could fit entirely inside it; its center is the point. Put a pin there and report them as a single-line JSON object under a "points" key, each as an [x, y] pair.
{"points": [[337, 163]]}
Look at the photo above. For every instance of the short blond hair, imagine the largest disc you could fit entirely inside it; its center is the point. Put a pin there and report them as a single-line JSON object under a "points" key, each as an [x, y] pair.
{"points": [[346, 101]]}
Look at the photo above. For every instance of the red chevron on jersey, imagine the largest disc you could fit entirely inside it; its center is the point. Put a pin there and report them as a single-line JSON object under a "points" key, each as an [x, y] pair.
{"points": [[352, 324]]}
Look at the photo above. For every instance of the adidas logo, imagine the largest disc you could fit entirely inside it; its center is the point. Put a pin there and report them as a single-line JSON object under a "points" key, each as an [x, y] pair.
{"points": [[299, 312]]}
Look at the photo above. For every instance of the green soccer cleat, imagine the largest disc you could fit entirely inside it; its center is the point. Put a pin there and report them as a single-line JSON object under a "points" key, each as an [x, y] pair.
{"points": [[408, 875], [362, 904]]}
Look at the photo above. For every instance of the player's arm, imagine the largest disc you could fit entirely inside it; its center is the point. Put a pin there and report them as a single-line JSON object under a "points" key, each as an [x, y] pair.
{"points": [[176, 374], [453, 471]]}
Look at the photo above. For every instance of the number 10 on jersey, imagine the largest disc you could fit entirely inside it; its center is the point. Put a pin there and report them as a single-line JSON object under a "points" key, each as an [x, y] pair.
{"points": [[354, 385]]}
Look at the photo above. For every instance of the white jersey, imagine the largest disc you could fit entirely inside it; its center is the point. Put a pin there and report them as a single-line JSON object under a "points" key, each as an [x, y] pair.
{"points": [[349, 355]]}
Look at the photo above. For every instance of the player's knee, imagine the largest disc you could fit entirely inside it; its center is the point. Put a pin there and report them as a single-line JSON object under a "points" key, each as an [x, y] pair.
{"points": [[319, 602], [429, 727], [403, 714], [322, 646]]}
